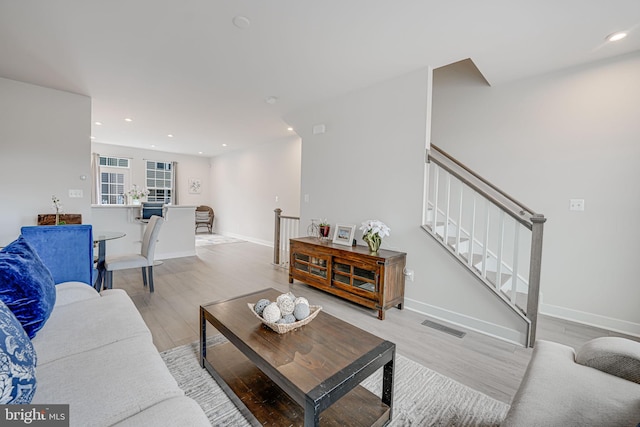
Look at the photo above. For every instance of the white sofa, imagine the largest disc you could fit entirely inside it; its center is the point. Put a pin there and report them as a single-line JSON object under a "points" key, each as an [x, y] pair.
{"points": [[597, 386], [96, 354]]}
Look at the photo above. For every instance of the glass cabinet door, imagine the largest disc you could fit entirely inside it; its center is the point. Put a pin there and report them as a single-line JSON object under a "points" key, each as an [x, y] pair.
{"points": [[342, 273], [359, 279], [301, 262], [364, 279], [314, 266]]}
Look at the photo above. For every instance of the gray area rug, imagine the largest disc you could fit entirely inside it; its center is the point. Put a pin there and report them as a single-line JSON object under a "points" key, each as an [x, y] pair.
{"points": [[422, 397], [214, 239]]}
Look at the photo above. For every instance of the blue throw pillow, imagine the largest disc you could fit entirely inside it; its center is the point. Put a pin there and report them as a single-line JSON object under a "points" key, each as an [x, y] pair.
{"points": [[17, 361], [26, 285]]}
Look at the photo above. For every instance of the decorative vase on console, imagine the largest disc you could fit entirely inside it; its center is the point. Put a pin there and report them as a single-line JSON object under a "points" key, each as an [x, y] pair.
{"points": [[373, 232], [58, 208], [324, 229]]}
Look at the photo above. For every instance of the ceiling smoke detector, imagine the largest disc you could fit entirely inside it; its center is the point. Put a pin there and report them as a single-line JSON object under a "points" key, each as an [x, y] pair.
{"points": [[241, 22], [271, 100]]}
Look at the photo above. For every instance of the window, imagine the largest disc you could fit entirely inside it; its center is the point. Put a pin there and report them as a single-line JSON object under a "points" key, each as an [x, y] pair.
{"points": [[118, 162], [114, 179], [159, 181]]}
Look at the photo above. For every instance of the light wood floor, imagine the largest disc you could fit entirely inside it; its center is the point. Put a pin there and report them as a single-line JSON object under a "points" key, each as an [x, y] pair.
{"points": [[223, 271]]}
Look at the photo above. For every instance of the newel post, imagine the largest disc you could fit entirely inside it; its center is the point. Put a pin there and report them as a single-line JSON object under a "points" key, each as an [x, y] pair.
{"points": [[535, 268], [276, 237]]}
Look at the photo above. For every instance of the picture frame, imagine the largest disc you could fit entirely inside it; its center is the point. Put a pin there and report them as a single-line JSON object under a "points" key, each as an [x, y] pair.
{"points": [[195, 186], [344, 234]]}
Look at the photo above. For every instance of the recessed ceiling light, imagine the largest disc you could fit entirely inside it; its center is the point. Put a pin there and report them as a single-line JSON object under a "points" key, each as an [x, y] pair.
{"points": [[127, 119], [616, 36], [289, 128], [92, 137], [271, 100], [241, 22], [98, 123], [199, 152], [170, 136], [224, 145], [153, 146]]}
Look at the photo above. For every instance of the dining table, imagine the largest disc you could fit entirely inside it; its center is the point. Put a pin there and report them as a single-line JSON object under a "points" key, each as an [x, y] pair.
{"points": [[100, 239]]}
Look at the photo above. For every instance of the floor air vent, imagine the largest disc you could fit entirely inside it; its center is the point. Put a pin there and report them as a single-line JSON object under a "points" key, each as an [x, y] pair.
{"points": [[445, 329]]}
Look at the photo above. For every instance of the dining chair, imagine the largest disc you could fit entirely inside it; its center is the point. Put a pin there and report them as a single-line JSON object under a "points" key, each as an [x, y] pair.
{"points": [[149, 209], [204, 217], [143, 260]]}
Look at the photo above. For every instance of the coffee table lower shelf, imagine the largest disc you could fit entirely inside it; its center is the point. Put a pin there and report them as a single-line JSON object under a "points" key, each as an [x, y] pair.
{"points": [[263, 403]]}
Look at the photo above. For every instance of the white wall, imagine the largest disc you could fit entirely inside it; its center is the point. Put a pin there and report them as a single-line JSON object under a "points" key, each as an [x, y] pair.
{"points": [[188, 167], [545, 140], [44, 149], [369, 165], [245, 185], [177, 233]]}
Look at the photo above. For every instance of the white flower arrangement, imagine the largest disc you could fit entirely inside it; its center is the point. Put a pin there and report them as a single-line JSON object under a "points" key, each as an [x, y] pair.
{"points": [[56, 204], [134, 193], [58, 207], [375, 227], [373, 232]]}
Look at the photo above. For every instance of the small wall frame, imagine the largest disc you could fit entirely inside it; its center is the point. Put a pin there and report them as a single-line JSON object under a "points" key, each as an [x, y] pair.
{"points": [[195, 186], [344, 234]]}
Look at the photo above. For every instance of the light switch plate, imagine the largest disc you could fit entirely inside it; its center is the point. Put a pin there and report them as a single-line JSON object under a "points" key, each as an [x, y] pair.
{"points": [[319, 129], [76, 194], [576, 204]]}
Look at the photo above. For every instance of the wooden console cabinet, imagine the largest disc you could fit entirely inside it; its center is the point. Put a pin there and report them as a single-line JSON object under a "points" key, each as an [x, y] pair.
{"points": [[351, 272]]}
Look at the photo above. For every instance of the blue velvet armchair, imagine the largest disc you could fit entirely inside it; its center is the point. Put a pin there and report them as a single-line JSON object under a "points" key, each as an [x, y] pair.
{"points": [[67, 250]]}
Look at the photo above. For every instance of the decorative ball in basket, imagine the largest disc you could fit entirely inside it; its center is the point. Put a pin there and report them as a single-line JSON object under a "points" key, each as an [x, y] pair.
{"points": [[286, 313]]}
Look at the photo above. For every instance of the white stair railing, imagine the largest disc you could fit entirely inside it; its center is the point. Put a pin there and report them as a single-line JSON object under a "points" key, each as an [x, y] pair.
{"points": [[497, 238], [286, 227]]}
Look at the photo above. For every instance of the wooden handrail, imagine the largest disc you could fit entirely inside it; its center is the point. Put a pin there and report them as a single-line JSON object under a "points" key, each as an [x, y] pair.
{"points": [[510, 205], [288, 217]]}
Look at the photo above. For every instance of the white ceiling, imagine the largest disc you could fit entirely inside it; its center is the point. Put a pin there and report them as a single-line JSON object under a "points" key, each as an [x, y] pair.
{"points": [[181, 67]]}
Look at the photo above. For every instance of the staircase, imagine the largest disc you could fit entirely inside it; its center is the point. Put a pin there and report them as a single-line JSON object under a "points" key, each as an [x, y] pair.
{"points": [[491, 234]]}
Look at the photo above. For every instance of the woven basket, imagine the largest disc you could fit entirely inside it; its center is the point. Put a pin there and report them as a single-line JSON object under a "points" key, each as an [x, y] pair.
{"points": [[283, 328]]}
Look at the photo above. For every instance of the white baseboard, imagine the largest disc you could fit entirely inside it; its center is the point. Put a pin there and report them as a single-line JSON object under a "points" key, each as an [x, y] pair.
{"points": [[590, 319], [250, 239], [491, 329], [169, 255]]}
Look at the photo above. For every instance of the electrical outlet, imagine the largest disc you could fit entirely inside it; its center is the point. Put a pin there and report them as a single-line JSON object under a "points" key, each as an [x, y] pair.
{"points": [[576, 204], [409, 273], [75, 194]]}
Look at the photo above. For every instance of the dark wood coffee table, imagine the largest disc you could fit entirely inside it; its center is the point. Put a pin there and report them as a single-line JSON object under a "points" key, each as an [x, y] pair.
{"points": [[308, 377]]}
